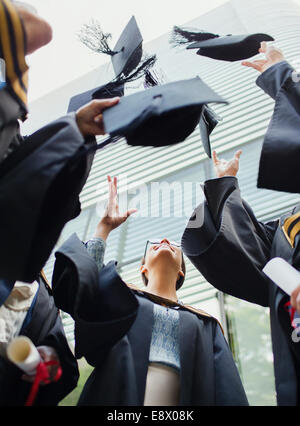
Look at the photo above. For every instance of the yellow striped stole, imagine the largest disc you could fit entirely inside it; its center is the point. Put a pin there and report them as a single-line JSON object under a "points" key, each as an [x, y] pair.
{"points": [[291, 228], [12, 50]]}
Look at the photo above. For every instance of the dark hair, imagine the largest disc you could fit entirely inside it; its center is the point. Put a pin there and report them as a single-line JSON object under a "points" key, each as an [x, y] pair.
{"points": [[179, 282]]}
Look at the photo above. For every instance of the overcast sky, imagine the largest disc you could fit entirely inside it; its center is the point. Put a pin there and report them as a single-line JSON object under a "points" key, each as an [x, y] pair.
{"points": [[65, 58]]}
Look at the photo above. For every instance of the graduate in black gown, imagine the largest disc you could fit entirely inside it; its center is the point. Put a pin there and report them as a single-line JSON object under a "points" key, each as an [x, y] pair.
{"points": [[230, 247], [146, 346], [281, 148], [30, 311], [39, 171]]}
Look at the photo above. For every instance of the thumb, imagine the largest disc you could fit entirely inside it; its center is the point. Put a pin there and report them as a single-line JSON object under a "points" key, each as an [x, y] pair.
{"points": [[131, 212], [263, 47], [238, 154], [102, 104]]}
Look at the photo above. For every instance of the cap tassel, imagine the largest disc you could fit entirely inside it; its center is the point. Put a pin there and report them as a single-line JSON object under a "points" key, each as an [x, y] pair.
{"points": [[145, 65], [150, 79], [95, 39], [182, 36]]}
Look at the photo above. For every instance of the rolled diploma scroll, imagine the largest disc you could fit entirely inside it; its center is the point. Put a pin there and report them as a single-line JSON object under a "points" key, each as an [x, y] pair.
{"points": [[283, 274], [22, 352]]}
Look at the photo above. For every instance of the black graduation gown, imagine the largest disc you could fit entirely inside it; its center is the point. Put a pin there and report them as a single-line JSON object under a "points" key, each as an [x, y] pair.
{"points": [[40, 183], [230, 248], [44, 328], [119, 349], [10, 113], [280, 155]]}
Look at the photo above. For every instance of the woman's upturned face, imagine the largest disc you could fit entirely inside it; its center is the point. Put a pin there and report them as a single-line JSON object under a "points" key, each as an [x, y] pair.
{"points": [[162, 252]]}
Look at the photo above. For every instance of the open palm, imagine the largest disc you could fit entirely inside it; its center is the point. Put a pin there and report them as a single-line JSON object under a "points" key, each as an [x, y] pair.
{"points": [[226, 168], [273, 55], [112, 218]]}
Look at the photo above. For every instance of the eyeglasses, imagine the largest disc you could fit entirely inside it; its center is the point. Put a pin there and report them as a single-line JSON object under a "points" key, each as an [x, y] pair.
{"points": [[157, 242]]}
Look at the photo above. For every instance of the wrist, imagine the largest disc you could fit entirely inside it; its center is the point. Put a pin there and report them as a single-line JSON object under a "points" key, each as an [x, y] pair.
{"points": [[78, 122], [226, 175], [102, 231], [80, 125], [270, 65]]}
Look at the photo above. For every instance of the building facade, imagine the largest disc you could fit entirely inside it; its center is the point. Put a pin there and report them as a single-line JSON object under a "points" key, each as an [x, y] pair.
{"points": [[149, 177]]}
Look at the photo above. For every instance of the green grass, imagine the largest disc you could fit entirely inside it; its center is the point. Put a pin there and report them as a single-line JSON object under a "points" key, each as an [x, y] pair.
{"points": [[71, 400]]}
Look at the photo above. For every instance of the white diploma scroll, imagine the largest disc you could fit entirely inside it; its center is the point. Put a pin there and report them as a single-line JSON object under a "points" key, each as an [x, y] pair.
{"points": [[283, 274], [22, 352]]}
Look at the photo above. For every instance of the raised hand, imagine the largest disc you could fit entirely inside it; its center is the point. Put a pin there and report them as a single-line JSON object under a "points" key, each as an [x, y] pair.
{"points": [[273, 56], [224, 167], [112, 218]]}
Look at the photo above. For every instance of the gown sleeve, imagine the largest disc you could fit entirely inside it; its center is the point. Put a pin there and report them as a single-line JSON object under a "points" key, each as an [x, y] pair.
{"points": [[10, 137], [280, 154], [227, 244], [101, 304], [274, 78], [40, 182], [96, 249], [226, 374]]}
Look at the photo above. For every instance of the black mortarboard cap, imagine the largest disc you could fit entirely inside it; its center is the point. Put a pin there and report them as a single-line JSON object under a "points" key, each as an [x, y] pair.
{"points": [[231, 47], [129, 49], [162, 115], [107, 91], [208, 122]]}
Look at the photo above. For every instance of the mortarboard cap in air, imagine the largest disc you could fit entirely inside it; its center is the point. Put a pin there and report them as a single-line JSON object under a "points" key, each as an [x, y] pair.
{"points": [[226, 48], [231, 47], [129, 62], [162, 115], [107, 91], [129, 49], [115, 88]]}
